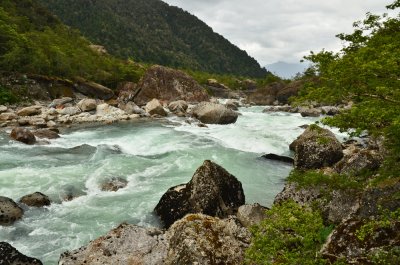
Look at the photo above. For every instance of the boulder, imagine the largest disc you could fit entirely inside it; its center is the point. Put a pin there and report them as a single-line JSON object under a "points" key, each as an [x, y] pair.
{"points": [[9, 211], [316, 148], [36, 199], [87, 104], [265, 95], [108, 111], [69, 192], [3, 108], [125, 245], [58, 102], [154, 107], [251, 214], [213, 113], [169, 85], [30, 111], [356, 163], [201, 239], [46, 133], [93, 90], [131, 108], [310, 112], [8, 116], [179, 106], [232, 104], [114, 184], [11, 256], [330, 110], [279, 158], [69, 111], [212, 191], [23, 135]]}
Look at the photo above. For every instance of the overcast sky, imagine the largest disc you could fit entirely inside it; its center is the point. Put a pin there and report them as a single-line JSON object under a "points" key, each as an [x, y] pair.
{"points": [[281, 30]]}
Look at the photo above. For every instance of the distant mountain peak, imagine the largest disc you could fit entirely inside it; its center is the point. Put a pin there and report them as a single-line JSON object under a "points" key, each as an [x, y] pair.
{"points": [[285, 69]]}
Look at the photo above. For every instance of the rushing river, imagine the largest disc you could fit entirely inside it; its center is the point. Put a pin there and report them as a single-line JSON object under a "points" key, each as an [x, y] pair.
{"points": [[152, 156]]}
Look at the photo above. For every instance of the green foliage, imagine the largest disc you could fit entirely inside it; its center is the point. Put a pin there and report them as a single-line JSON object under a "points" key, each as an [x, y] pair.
{"points": [[290, 234], [34, 41], [6, 96], [154, 32]]}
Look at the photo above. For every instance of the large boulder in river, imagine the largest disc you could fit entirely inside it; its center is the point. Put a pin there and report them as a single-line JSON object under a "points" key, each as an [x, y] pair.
{"points": [[36, 199], [213, 113], [316, 148], [9, 211], [23, 135], [127, 244], [201, 239], [11, 256], [46, 133], [154, 107], [178, 106], [168, 84], [212, 191]]}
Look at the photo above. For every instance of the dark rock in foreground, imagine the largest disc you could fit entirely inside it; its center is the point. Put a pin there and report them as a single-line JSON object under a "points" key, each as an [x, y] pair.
{"points": [[23, 135], [124, 245], [212, 191], [275, 157], [213, 113], [10, 256], [36, 199], [9, 211]]}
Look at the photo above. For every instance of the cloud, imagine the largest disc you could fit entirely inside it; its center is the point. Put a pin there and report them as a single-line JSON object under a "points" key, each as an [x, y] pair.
{"points": [[281, 30]]}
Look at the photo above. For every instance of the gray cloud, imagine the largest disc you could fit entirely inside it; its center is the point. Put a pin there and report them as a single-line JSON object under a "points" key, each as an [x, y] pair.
{"points": [[281, 30]]}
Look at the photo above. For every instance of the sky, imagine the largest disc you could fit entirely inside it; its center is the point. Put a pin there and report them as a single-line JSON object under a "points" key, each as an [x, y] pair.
{"points": [[281, 30]]}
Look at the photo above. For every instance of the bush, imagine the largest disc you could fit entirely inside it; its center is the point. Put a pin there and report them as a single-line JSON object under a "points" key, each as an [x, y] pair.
{"points": [[6, 96]]}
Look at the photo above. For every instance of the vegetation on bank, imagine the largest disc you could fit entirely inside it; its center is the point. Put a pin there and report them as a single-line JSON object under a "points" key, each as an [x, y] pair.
{"points": [[151, 31]]}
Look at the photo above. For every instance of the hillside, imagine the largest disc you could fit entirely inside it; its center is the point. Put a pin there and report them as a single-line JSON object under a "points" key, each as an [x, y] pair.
{"points": [[154, 32], [34, 41]]}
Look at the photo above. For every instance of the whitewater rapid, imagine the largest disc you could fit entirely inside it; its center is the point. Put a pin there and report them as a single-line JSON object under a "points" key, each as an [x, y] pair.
{"points": [[151, 155]]}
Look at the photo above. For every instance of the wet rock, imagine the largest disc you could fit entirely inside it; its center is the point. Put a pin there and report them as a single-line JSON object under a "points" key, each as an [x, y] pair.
{"points": [[284, 108], [251, 214], [316, 148], [201, 239], [154, 107], [124, 245], [232, 104], [46, 133], [8, 116], [280, 158], [87, 104], [36, 199], [30, 111], [211, 113], [60, 102], [68, 193], [9, 211], [23, 135], [114, 184], [169, 85], [11, 256], [179, 106], [212, 191]]}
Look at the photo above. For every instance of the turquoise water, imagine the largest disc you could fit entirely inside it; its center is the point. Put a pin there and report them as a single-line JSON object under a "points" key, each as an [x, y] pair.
{"points": [[152, 156]]}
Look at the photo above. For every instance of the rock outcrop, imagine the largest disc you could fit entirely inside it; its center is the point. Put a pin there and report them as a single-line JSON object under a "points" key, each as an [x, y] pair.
{"points": [[212, 191], [168, 84], [316, 148], [9, 211], [124, 245], [23, 135], [11, 256], [213, 113], [36, 199], [201, 239]]}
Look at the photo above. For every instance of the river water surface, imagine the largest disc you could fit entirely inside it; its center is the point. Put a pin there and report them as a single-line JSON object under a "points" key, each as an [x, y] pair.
{"points": [[152, 156]]}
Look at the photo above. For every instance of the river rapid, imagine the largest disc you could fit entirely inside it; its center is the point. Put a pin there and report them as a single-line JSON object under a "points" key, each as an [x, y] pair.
{"points": [[151, 155]]}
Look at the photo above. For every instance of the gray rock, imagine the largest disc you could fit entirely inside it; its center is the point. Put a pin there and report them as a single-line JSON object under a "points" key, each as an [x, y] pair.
{"points": [[70, 111], [114, 184], [213, 113], [232, 104], [30, 111], [9, 211], [60, 102], [212, 191], [131, 108], [154, 107], [124, 245], [8, 116], [87, 104], [23, 135], [355, 163], [251, 214], [316, 148], [179, 106], [3, 108], [310, 112], [36, 199], [201, 239], [11, 256]]}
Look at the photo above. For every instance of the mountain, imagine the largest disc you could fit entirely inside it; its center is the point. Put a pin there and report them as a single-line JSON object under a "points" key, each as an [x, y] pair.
{"points": [[286, 70], [152, 31], [34, 41]]}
